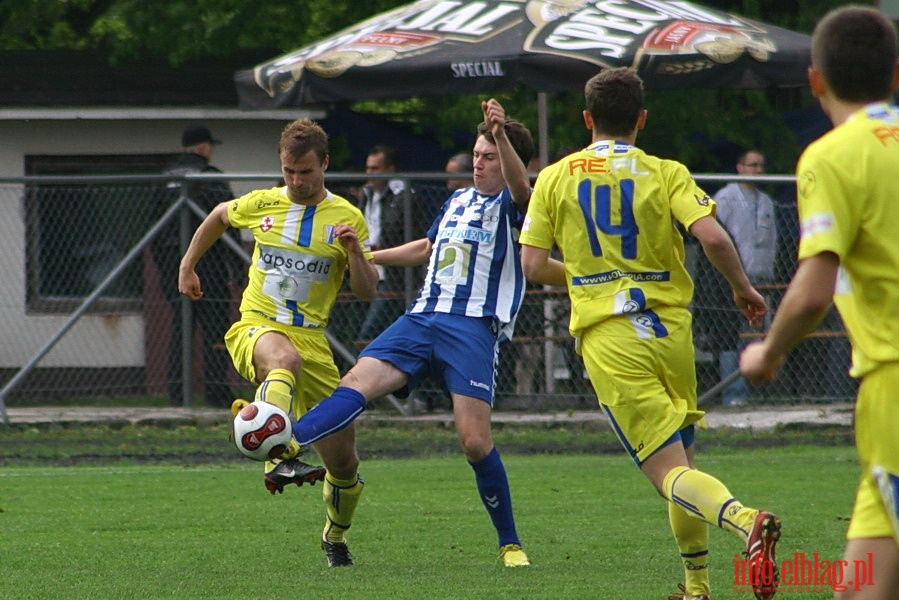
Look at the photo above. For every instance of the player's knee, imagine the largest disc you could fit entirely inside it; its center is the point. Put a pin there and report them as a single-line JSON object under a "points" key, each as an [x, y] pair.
{"points": [[287, 359], [290, 360], [475, 447], [275, 351]]}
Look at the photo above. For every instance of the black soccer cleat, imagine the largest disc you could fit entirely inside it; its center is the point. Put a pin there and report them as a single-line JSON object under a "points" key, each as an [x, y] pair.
{"points": [[292, 471], [338, 554]]}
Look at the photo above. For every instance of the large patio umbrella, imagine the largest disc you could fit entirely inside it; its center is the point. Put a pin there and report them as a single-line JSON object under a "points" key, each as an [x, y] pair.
{"points": [[435, 47]]}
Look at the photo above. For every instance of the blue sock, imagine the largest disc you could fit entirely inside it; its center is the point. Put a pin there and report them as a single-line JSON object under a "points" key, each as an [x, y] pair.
{"points": [[493, 486], [329, 416]]}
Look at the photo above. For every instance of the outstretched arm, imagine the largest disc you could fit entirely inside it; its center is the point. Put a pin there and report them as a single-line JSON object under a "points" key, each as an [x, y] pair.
{"points": [[719, 249], [410, 254], [802, 309], [210, 230], [363, 274], [515, 172], [540, 268]]}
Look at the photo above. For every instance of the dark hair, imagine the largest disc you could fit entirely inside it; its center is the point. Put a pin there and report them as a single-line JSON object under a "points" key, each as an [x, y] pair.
{"points": [[614, 98], [854, 48], [519, 136], [301, 136], [389, 153], [742, 156]]}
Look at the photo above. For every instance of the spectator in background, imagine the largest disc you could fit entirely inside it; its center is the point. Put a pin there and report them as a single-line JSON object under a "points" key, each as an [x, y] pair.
{"points": [[747, 213], [534, 166], [383, 202], [460, 164], [219, 270]]}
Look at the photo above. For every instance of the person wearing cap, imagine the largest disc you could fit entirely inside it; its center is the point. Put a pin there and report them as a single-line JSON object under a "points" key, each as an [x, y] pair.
{"points": [[221, 268], [383, 202]]}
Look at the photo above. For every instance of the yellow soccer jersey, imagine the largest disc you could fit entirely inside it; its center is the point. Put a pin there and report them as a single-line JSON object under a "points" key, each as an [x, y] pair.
{"points": [[849, 205], [298, 265], [611, 209]]}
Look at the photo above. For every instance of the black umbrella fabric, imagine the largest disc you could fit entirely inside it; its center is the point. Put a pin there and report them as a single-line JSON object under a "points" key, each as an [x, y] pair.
{"points": [[437, 47]]}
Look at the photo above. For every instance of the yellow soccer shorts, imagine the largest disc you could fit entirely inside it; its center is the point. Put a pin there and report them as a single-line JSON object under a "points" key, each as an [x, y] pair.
{"points": [[645, 386], [318, 375], [876, 416]]}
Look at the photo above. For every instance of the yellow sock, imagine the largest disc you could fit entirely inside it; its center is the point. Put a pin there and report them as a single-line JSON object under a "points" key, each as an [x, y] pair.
{"points": [[278, 389], [341, 497], [692, 537], [704, 497]]}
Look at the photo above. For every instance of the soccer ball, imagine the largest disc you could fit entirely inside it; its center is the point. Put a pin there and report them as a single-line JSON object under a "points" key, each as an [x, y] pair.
{"points": [[262, 431]]}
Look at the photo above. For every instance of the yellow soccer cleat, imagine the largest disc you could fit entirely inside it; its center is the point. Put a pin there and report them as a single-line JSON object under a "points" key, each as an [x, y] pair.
{"points": [[513, 556], [237, 406], [293, 450]]}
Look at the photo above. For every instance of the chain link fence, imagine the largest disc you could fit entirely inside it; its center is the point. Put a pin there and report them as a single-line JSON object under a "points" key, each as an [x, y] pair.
{"points": [[90, 309]]}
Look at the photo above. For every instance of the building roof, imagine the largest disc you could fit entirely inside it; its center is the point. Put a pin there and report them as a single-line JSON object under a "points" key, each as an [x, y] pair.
{"points": [[68, 78]]}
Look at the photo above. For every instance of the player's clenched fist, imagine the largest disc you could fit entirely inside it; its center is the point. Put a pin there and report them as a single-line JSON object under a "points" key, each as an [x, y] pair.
{"points": [[757, 365], [189, 285], [494, 116], [347, 236]]}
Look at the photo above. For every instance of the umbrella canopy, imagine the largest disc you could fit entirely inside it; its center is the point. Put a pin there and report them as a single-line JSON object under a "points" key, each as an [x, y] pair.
{"points": [[439, 47], [436, 47]]}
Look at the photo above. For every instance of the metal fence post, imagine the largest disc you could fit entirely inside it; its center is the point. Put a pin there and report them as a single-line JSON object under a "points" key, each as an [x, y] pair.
{"points": [[186, 308], [85, 305]]}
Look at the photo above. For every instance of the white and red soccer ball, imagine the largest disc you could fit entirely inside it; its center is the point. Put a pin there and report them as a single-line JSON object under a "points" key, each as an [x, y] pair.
{"points": [[262, 431]]}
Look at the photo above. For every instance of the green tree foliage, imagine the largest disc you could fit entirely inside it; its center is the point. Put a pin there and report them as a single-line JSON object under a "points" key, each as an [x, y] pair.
{"points": [[177, 30], [682, 122]]}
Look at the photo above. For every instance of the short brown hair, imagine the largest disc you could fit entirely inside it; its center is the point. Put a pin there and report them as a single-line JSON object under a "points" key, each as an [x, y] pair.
{"points": [[519, 136], [301, 136], [614, 99], [854, 48]]}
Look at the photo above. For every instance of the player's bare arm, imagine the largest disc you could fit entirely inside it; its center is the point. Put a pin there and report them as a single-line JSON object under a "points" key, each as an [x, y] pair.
{"points": [[802, 309], [515, 172], [410, 254], [720, 250], [210, 230], [363, 275], [540, 268]]}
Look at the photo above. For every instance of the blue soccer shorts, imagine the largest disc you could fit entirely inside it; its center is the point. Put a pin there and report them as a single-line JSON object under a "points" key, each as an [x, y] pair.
{"points": [[458, 350]]}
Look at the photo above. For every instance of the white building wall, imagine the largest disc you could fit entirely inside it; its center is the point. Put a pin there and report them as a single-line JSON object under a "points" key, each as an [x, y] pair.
{"points": [[250, 142]]}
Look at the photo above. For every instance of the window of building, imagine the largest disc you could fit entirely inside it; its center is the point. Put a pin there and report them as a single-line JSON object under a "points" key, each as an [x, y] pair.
{"points": [[78, 232]]}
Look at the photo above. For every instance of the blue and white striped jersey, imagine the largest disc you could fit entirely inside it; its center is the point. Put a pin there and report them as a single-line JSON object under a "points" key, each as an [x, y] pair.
{"points": [[475, 263]]}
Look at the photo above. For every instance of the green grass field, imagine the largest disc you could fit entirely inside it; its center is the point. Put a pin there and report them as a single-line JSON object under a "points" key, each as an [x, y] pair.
{"points": [[127, 519]]}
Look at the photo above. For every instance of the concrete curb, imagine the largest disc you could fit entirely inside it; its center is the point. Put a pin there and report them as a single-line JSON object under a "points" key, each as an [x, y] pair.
{"points": [[758, 418]]}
